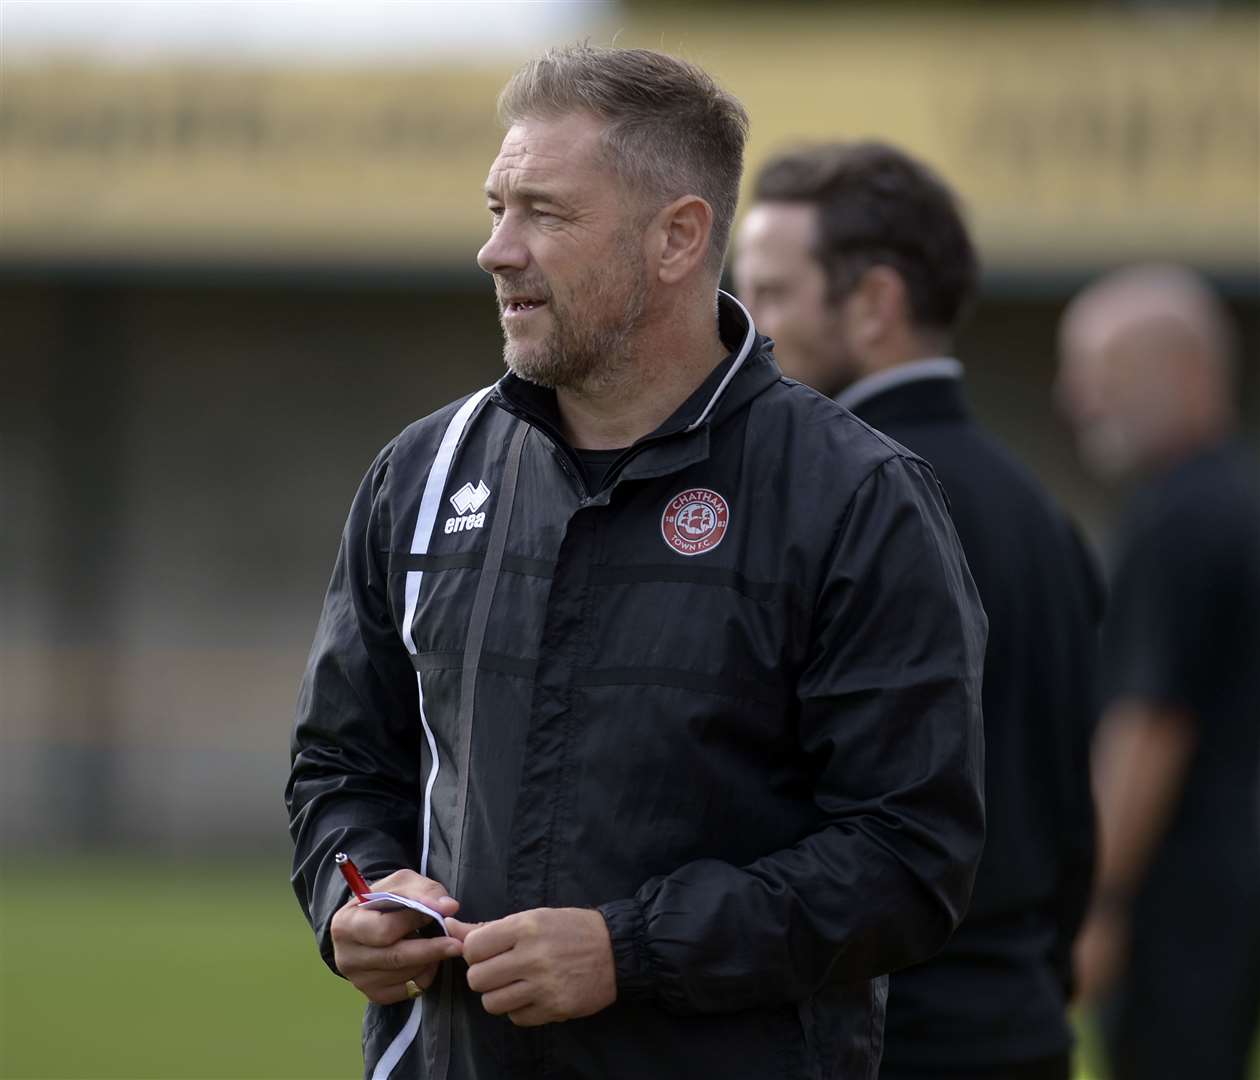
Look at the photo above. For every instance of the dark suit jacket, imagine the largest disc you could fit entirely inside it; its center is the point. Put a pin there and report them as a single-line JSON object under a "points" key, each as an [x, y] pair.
{"points": [[996, 993]]}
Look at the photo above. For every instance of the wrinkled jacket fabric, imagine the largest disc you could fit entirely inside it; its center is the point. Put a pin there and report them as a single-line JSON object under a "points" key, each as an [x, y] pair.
{"points": [[761, 761]]}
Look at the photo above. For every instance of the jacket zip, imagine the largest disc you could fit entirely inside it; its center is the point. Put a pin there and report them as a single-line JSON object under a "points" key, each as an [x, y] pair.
{"points": [[568, 456]]}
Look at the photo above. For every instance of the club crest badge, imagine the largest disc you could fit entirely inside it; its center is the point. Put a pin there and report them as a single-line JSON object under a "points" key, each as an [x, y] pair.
{"points": [[695, 521]]}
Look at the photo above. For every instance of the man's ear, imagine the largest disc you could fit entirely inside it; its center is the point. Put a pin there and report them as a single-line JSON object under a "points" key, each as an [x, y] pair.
{"points": [[880, 303], [680, 238]]}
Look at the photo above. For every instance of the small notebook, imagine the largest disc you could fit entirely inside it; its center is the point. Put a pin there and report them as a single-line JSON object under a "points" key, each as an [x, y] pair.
{"points": [[388, 901]]}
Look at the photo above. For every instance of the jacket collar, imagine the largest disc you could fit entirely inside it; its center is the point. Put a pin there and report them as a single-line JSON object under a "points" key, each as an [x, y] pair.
{"points": [[936, 398], [745, 372], [936, 367]]}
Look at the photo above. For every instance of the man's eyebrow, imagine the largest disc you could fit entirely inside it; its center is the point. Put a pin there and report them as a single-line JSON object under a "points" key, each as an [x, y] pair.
{"points": [[529, 194]]}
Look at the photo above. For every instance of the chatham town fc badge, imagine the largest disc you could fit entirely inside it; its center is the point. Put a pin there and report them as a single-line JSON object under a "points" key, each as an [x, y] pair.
{"points": [[695, 521]]}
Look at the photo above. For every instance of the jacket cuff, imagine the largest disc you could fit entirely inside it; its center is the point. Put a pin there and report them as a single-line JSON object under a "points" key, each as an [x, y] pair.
{"points": [[628, 930], [336, 893]]}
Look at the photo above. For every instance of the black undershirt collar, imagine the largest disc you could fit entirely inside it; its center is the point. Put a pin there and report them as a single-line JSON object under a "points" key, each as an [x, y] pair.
{"points": [[595, 464]]}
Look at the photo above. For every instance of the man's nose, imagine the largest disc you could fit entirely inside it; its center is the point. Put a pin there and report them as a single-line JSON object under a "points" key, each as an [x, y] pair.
{"points": [[504, 251]]}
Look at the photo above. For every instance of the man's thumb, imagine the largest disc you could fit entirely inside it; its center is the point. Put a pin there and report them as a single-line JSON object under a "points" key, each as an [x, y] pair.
{"points": [[460, 930]]}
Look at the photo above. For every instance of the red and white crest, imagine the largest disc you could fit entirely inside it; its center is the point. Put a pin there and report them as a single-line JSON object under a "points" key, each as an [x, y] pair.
{"points": [[695, 521]]}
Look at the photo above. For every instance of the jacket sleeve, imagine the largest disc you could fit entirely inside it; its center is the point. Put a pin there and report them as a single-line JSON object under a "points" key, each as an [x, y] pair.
{"points": [[355, 753], [890, 735], [1077, 826]]}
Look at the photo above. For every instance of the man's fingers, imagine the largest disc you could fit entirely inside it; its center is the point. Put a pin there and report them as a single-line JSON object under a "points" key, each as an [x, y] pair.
{"points": [[490, 939], [411, 885], [409, 954], [508, 999], [459, 930], [370, 982], [425, 978], [386, 996], [391, 994], [364, 926], [501, 970], [413, 953], [543, 965], [385, 986], [531, 1016]]}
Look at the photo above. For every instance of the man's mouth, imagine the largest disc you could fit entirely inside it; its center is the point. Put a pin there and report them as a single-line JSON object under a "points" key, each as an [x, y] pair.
{"points": [[515, 304]]}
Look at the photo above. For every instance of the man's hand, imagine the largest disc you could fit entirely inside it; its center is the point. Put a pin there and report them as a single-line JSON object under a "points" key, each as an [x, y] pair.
{"points": [[376, 950], [1100, 954], [540, 966]]}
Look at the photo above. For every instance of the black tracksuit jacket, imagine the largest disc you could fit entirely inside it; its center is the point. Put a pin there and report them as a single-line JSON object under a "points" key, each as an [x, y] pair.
{"points": [[732, 699], [996, 994]]}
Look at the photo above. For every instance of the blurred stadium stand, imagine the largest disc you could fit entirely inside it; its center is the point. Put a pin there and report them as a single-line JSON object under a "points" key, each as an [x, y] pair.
{"points": [[224, 284]]}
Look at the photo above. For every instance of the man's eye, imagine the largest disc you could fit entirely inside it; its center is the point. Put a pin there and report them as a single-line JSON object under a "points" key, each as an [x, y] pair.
{"points": [[496, 212]]}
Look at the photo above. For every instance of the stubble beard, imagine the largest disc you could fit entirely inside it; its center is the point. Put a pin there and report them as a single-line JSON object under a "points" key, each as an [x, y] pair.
{"points": [[591, 340]]}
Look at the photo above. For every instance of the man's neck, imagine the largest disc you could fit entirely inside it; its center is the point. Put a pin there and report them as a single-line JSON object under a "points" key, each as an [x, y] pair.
{"points": [[902, 345], [663, 366]]}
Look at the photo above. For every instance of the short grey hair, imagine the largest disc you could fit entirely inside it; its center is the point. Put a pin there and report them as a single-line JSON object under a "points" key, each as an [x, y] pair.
{"points": [[671, 130]]}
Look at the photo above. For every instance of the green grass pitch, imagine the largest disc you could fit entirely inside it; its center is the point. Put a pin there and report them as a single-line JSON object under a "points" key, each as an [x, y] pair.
{"points": [[121, 968], [136, 968]]}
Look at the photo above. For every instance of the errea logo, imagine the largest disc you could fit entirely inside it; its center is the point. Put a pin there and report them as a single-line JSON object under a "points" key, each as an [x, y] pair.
{"points": [[468, 501]]}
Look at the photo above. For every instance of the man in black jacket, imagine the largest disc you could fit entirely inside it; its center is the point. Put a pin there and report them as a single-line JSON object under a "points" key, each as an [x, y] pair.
{"points": [[1171, 948], [856, 260], [667, 669]]}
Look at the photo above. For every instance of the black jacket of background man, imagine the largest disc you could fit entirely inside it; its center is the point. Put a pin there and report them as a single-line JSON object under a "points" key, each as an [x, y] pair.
{"points": [[1183, 633], [744, 724], [996, 994]]}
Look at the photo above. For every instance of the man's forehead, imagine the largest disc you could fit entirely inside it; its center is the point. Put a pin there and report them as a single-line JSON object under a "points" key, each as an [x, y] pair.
{"points": [[781, 224], [781, 232], [563, 151]]}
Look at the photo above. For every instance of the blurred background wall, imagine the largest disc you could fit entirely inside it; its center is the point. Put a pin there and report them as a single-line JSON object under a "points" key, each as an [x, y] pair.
{"points": [[236, 257]]}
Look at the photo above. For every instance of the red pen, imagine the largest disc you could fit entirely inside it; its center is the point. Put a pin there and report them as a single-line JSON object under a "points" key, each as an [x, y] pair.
{"points": [[351, 873]]}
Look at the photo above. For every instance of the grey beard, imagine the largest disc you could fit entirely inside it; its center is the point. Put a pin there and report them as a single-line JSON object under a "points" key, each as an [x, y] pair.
{"points": [[579, 353]]}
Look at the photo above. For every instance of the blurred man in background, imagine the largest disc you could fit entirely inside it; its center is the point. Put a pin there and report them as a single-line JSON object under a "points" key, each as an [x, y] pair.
{"points": [[856, 260], [1172, 943], [682, 703]]}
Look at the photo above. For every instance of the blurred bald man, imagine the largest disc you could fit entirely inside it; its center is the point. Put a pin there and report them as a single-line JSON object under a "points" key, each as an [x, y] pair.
{"points": [[1171, 948]]}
